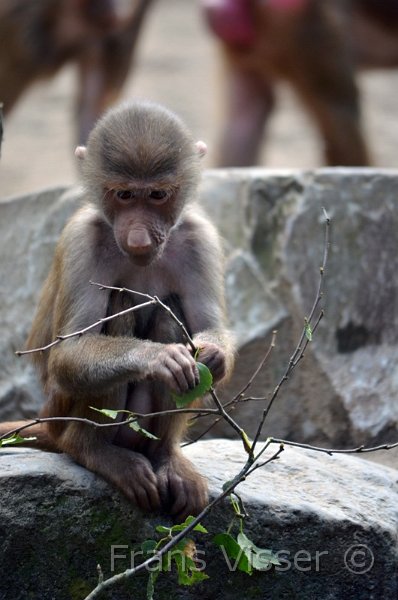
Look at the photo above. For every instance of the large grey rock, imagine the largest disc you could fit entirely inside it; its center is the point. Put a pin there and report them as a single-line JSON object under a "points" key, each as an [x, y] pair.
{"points": [[345, 391], [30, 227], [333, 521]]}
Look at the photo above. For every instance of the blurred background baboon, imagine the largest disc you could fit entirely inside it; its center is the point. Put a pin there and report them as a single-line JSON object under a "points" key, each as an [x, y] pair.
{"points": [[38, 38], [314, 45], [178, 62]]}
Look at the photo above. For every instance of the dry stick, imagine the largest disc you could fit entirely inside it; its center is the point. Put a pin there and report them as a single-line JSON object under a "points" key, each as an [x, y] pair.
{"points": [[156, 300], [276, 391], [265, 462], [179, 323], [297, 355], [358, 450], [61, 338], [135, 416], [199, 437], [50, 419], [329, 451], [299, 350], [223, 413], [108, 583], [249, 468], [251, 399], [307, 341], [240, 394]]}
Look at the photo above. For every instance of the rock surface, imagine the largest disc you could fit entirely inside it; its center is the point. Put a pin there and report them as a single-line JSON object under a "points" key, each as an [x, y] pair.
{"points": [[30, 227], [345, 391], [332, 521]]}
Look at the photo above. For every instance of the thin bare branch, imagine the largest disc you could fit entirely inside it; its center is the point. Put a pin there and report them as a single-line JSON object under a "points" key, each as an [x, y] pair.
{"points": [[61, 338], [257, 465], [240, 395], [358, 450], [179, 323], [300, 348], [200, 436], [134, 417], [157, 301]]}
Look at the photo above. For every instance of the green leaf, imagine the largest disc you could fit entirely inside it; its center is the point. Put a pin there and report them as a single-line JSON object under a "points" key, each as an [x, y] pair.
{"points": [[150, 588], [264, 560], [227, 484], [112, 414], [149, 546], [15, 439], [205, 382], [188, 574], [235, 504], [230, 544], [197, 576], [233, 550], [166, 562], [180, 546], [187, 522], [244, 542], [246, 442], [260, 559], [200, 528], [137, 427], [308, 331], [163, 529]]}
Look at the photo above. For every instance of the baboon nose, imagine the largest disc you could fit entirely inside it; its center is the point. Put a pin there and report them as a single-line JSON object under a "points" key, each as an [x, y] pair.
{"points": [[139, 241]]}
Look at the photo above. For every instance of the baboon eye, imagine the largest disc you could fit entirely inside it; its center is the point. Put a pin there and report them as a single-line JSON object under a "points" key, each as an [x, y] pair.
{"points": [[158, 195], [125, 194]]}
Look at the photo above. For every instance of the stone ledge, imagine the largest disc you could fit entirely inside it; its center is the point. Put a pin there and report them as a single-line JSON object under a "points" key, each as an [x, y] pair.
{"points": [[57, 521]]}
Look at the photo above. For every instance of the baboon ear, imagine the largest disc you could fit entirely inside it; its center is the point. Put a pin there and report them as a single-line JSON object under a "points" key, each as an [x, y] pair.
{"points": [[201, 147], [81, 152]]}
